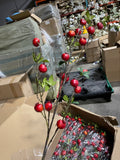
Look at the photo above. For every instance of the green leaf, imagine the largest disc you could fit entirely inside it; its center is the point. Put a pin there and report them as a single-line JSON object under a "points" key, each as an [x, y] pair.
{"points": [[76, 102], [45, 80], [72, 40], [45, 60], [51, 81], [61, 62], [86, 74], [76, 44], [47, 87], [88, 14], [83, 13], [65, 98], [34, 57], [40, 60], [80, 69], [72, 100]]}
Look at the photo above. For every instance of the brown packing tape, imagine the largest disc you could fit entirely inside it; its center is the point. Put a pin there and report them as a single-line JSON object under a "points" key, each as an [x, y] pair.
{"points": [[36, 18], [20, 16]]}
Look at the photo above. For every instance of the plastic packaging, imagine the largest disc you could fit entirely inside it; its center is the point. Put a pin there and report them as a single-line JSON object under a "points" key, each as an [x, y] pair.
{"points": [[81, 140], [46, 11], [58, 49]]}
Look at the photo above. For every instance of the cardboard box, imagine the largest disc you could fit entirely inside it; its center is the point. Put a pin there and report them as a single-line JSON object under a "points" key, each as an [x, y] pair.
{"points": [[15, 86], [111, 63], [93, 51], [25, 14], [113, 37], [22, 130], [106, 123], [52, 26]]}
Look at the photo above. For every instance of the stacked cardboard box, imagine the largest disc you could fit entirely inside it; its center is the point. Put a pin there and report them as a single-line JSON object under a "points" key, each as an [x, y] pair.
{"points": [[93, 51], [111, 63]]}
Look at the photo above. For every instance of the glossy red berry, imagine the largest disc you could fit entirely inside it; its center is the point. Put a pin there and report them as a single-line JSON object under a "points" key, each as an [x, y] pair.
{"points": [[71, 151], [38, 107], [56, 153], [100, 25], [61, 124], [74, 82], [95, 155], [42, 68], [83, 21], [78, 31], [48, 106], [36, 42], [63, 152], [63, 77], [82, 41], [65, 56], [77, 89], [85, 70], [91, 30], [71, 33]]}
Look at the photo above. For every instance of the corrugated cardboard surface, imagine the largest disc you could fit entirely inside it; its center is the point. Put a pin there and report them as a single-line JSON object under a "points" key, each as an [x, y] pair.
{"points": [[52, 26], [111, 63], [113, 37], [22, 130], [15, 86], [93, 54], [104, 122]]}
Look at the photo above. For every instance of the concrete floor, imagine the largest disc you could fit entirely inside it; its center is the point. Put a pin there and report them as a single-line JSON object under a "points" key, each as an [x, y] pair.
{"points": [[100, 106]]}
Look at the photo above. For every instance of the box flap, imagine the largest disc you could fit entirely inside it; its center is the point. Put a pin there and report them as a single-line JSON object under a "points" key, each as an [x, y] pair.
{"points": [[116, 149], [11, 79], [8, 107], [20, 16]]}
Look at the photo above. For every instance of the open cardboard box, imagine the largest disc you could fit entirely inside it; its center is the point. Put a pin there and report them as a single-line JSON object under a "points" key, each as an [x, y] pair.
{"points": [[111, 63], [22, 130], [108, 123], [15, 86], [25, 14]]}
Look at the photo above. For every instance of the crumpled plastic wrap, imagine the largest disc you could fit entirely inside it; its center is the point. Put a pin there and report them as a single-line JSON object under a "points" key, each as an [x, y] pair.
{"points": [[46, 11], [82, 140], [58, 49]]}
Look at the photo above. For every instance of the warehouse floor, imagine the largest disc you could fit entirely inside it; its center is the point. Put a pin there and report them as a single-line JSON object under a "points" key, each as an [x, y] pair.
{"points": [[99, 105]]}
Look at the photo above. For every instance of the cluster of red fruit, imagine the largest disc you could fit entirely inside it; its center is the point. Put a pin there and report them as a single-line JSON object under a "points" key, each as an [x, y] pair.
{"points": [[43, 68], [90, 30], [81, 140]]}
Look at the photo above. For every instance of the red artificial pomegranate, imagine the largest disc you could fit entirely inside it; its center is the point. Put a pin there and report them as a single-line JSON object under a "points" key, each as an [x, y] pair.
{"points": [[85, 70], [42, 68], [100, 25], [48, 106], [74, 82], [83, 21], [91, 30], [78, 31], [36, 42], [71, 33], [63, 77], [61, 124], [82, 41], [63, 152], [65, 56], [77, 89], [38, 107]]}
